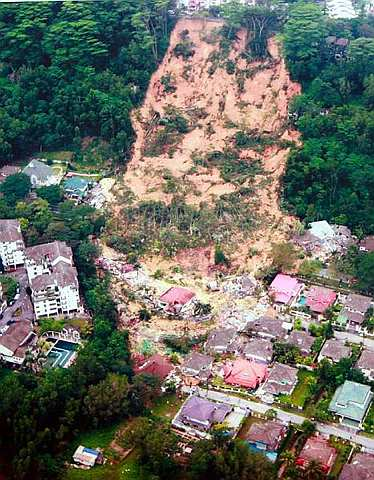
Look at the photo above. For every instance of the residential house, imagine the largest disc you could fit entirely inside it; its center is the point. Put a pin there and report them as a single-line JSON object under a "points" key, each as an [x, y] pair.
{"points": [[240, 287], [201, 414], [76, 188], [8, 170], [3, 303], [319, 299], [353, 314], [266, 437], [367, 244], [243, 373], [268, 327], [41, 174], [196, 368], [191, 6], [15, 340], [317, 449], [366, 363], [334, 350], [219, 341], [322, 230], [303, 340], [87, 456], [351, 402], [259, 350], [361, 467], [156, 365], [175, 300], [282, 379], [284, 290], [53, 280], [12, 248]]}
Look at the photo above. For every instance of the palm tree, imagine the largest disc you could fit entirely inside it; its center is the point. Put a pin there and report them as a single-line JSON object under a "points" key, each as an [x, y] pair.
{"points": [[313, 471], [287, 458]]}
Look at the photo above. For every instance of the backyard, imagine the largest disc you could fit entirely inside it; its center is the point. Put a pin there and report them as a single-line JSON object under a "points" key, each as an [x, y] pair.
{"points": [[302, 391]]}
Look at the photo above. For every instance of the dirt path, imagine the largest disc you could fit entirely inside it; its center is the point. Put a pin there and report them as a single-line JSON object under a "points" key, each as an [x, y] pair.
{"points": [[261, 103]]}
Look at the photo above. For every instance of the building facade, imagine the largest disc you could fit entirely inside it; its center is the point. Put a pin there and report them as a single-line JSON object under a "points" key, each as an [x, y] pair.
{"points": [[12, 247]]}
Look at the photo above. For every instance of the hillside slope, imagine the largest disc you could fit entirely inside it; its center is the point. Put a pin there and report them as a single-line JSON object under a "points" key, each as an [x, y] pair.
{"points": [[253, 99]]}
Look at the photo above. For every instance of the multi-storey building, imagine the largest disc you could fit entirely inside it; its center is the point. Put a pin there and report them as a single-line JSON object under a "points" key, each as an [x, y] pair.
{"points": [[53, 280], [194, 5], [12, 248]]}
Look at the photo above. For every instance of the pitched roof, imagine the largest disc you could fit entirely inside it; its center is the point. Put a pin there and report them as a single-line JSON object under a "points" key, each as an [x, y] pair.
{"points": [[220, 338], [282, 379], [62, 276], [258, 347], [76, 185], [268, 433], [346, 316], [358, 303], [360, 468], [177, 296], [335, 349], [351, 400], [302, 340], [283, 288], [38, 169], [16, 335], [244, 373], [319, 299], [267, 325], [368, 243], [197, 361], [10, 231], [7, 170], [318, 449], [322, 230], [366, 360], [50, 251], [202, 410], [156, 365]]}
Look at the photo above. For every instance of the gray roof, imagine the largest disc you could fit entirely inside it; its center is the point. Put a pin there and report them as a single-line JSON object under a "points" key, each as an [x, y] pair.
{"points": [[7, 170], [282, 379], [63, 275], [50, 251], [197, 361], [358, 303], [335, 350], [199, 410], [38, 169], [16, 335], [351, 400], [302, 340], [220, 338], [366, 360], [10, 231], [268, 433], [258, 347], [351, 317], [268, 326], [360, 468]]}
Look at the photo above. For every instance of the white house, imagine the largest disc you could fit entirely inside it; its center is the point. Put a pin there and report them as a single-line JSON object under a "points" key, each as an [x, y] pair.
{"points": [[12, 248], [53, 280], [41, 174]]}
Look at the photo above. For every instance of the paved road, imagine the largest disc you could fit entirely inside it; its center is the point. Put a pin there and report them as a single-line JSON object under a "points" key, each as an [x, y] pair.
{"points": [[355, 338], [22, 308], [287, 417]]}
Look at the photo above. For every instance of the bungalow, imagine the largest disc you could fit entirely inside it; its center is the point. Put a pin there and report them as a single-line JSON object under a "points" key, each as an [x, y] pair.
{"points": [[267, 327], [284, 289], [366, 364], [41, 174], [367, 244], [351, 402], [175, 300], [353, 314], [196, 368], [319, 299], [317, 449], [220, 341], [76, 188], [201, 414], [334, 350], [15, 341], [156, 365], [303, 340], [259, 350], [243, 373], [360, 468], [87, 457], [282, 380], [12, 248], [266, 437], [8, 170]]}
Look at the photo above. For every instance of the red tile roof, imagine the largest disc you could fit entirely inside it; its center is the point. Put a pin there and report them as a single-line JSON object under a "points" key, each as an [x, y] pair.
{"points": [[177, 296], [156, 365], [318, 449], [244, 373], [319, 299], [284, 288]]}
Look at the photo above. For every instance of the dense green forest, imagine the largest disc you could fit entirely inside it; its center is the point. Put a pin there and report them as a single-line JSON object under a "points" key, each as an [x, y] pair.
{"points": [[332, 175], [72, 70]]}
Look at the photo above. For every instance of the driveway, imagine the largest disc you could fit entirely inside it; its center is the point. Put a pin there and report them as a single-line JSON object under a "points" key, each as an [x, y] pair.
{"points": [[286, 417], [22, 308], [355, 338]]}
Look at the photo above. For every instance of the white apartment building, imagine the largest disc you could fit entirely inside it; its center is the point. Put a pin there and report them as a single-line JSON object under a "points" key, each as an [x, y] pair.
{"points": [[53, 280], [12, 248], [195, 5]]}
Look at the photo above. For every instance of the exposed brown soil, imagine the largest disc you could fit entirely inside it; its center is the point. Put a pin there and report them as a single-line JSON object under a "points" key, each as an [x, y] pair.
{"points": [[261, 104]]}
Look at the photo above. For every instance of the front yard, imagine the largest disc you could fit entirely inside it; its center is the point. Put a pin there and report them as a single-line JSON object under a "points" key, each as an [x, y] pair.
{"points": [[369, 422], [302, 391]]}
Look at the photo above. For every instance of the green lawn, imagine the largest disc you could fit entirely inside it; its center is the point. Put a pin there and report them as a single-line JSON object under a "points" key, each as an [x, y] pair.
{"points": [[167, 406], [343, 450], [369, 422], [129, 469], [60, 155], [302, 389]]}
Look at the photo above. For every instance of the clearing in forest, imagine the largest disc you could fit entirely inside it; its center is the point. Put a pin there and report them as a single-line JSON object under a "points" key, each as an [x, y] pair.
{"points": [[212, 138]]}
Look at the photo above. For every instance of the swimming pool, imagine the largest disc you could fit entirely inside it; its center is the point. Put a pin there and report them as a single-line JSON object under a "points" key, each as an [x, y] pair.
{"points": [[60, 354]]}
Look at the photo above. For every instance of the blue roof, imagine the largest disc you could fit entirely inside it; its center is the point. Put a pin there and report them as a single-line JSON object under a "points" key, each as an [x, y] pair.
{"points": [[91, 451]]}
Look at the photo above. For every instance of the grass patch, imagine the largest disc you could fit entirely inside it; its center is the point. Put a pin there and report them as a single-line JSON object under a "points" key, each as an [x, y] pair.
{"points": [[343, 449], [129, 469], [166, 406], [369, 422], [59, 155], [302, 390]]}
